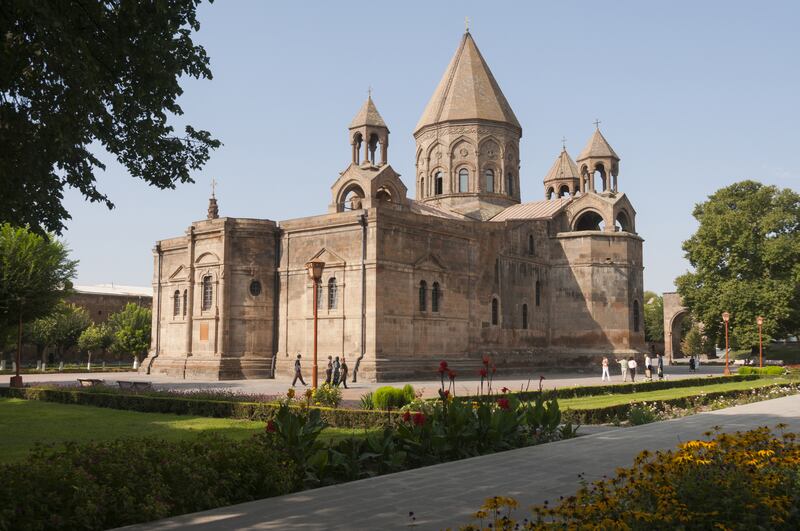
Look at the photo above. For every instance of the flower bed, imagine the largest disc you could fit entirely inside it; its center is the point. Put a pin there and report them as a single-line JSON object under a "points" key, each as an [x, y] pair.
{"points": [[682, 406], [744, 481]]}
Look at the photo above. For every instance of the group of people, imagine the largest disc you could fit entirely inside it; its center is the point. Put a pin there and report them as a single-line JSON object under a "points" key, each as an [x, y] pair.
{"points": [[335, 373], [628, 367]]}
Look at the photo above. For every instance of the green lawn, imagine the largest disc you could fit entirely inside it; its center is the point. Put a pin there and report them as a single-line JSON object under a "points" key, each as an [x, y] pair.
{"points": [[26, 422], [588, 402]]}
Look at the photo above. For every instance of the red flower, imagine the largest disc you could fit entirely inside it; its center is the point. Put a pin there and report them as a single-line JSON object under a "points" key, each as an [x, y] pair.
{"points": [[494, 369], [442, 367], [406, 416], [452, 375], [504, 404], [483, 372], [445, 393], [419, 419], [505, 390], [271, 427], [486, 361]]}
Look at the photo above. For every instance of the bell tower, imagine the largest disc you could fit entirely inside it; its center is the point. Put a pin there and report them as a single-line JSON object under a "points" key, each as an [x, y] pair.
{"points": [[598, 159], [368, 131]]}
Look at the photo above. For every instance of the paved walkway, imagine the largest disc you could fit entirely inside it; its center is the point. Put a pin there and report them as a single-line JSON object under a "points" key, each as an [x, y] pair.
{"points": [[428, 388], [445, 495]]}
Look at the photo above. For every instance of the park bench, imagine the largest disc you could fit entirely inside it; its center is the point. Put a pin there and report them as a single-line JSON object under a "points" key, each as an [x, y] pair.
{"points": [[135, 386], [89, 382]]}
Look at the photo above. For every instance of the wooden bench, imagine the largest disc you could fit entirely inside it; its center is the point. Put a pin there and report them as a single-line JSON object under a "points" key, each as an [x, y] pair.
{"points": [[89, 382], [135, 386]]}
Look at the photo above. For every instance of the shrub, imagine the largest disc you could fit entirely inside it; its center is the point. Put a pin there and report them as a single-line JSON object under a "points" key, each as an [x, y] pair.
{"points": [[769, 370], [743, 481], [111, 484], [327, 395], [389, 397], [409, 393], [642, 414], [367, 402]]}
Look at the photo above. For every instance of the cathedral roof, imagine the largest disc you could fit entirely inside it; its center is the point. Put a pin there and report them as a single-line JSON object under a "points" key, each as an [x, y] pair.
{"points": [[467, 91], [533, 210], [563, 168], [598, 146], [368, 115]]}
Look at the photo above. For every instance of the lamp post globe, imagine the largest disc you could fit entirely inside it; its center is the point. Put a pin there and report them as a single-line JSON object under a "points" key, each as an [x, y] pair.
{"points": [[726, 317], [760, 321]]}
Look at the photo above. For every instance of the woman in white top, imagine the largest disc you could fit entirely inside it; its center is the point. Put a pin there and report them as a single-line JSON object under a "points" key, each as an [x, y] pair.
{"points": [[632, 368], [606, 376]]}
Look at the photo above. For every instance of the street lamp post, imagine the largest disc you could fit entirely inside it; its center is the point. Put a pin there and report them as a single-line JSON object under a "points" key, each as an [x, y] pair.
{"points": [[760, 321], [315, 268], [726, 317]]}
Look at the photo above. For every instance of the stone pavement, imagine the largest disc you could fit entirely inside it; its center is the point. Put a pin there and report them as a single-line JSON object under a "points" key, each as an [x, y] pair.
{"points": [[446, 494], [428, 388]]}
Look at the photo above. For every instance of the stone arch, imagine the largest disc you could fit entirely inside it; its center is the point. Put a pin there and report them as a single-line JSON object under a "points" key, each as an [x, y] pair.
{"points": [[600, 171], [623, 222], [563, 190], [550, 192], [588, 219], [433, 152], [457, 145], [358, 140], [675, 313], [351, 197], [489, 148]]}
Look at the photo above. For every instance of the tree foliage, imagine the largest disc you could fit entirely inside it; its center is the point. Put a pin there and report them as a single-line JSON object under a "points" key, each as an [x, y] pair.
{"points": [[694, 343], [35, 274], [653, 316], [81, 72], [130, 330], [96, 337], [60, 329], [746, 260]]}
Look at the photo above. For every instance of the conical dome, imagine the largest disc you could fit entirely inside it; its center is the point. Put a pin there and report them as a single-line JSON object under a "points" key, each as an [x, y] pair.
{"points": [[563, 168], [467, 91], [367, 115], [598, 147]]}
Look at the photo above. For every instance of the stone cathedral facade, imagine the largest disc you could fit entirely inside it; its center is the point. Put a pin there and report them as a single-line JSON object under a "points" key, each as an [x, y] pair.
{"points": [[460, 270]]}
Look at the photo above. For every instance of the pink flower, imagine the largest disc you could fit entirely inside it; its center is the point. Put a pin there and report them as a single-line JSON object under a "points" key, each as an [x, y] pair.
{"points": [[503, 404], [406, 416], [419, 419], [486, 361], [442, 367]]}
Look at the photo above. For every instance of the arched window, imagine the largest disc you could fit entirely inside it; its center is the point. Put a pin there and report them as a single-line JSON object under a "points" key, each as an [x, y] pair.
{"points": [[525, 316], [488, 175], [208, 292], [463, 180], [590, 220], [438, 183], [422, 186], [510, 184], [185, 301], [563, 191], [320, 297], [531, 248], [436, 297], [538, 293], [423, 296], [495, 311], [635, 316], [176, 303], [332, 293]]}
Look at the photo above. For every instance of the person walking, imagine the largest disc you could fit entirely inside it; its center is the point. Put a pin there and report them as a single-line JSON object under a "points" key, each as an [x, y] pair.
{"points": [[298, 375], [336, 371], [606, 376], [623, 366], [329, 370], [660, 365], [632, 369], [692, 365], [648, 367], [344, 373]]}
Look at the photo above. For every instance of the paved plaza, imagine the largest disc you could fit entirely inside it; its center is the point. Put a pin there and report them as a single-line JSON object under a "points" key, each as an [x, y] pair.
{"points": [[446, 494], [428, 388]]}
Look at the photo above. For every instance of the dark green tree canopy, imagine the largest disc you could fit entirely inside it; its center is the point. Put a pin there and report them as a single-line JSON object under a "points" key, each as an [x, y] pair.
{"points": [[78, 72], [130, 330], [653, 316], [746, 260]]}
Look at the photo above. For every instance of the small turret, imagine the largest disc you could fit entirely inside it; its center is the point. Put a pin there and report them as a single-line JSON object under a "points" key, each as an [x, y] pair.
{"points": [[563, 178], [598, 158], [369, 129]]}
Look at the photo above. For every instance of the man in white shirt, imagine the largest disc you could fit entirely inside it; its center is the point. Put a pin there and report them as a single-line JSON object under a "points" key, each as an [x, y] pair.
{"points": [[632, 368]]}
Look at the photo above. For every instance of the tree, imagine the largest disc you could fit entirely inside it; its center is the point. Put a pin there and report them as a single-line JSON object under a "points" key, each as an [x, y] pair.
{"points": [[746, 260], [653, 317], [95, 337], [130, 330], [35, 273], [694, 343], [81, 72], [61, 329]]}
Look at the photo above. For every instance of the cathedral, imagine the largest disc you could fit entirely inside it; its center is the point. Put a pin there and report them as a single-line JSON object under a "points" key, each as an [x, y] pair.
{"points": [[459, 269]]}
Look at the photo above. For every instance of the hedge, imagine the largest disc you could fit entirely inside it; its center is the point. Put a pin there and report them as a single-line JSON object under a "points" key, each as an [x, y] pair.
{"points": [[770, 370], [337, 418], [602, 415], [625, 388]]}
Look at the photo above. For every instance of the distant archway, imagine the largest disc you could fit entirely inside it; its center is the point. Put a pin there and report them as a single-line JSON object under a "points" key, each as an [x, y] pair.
{"points": [[589, 220], [623, 222]]}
